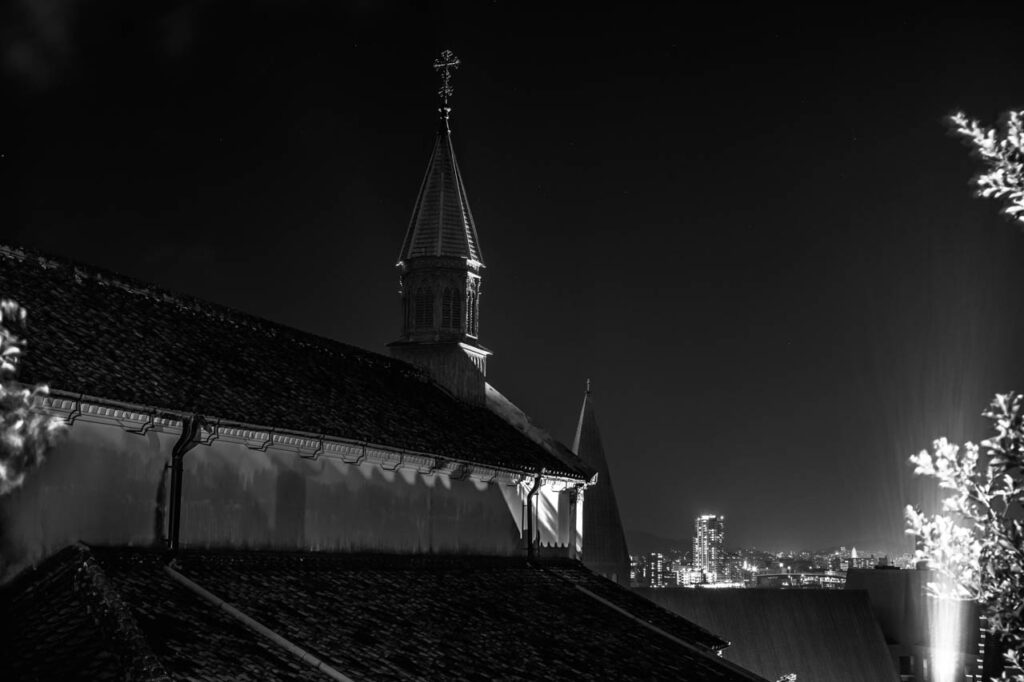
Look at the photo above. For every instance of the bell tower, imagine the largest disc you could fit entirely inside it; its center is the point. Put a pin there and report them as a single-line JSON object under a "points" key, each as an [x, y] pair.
{"points": [[441, 267]]}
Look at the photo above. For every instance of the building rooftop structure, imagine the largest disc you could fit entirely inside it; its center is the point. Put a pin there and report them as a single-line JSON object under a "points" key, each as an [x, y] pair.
{"points": [[913, 623], [820, 635], [117, 613]]}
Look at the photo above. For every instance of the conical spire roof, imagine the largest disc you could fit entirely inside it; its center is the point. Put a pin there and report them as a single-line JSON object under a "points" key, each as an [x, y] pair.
{"points": [[604, 540], [441, 223]]}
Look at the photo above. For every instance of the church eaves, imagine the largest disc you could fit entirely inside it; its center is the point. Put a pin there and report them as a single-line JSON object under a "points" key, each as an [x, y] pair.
{"points": [[442, 223]]}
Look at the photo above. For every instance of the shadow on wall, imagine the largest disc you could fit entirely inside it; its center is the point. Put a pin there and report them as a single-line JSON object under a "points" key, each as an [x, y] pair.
{"points": [[103, 486], [91, 488]]}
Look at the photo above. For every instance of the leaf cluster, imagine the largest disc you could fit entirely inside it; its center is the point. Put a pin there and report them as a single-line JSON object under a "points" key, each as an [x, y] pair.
{"points": [[1002, 153], [27, 430]]}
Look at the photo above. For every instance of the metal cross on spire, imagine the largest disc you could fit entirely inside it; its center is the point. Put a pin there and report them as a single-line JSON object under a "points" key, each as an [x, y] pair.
{"points": [[445, 65]]}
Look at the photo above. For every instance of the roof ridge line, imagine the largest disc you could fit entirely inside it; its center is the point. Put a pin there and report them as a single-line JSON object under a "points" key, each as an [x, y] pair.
{"points": [[407, 242], [672, 638], [468, 222], [440, 204], [255, 625], [115, 619]]}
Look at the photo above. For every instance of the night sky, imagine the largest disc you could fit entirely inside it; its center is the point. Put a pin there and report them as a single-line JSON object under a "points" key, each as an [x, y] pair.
{"points": [[753, 233]]}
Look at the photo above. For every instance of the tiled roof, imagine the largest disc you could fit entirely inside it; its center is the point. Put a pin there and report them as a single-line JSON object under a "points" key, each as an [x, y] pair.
{"points": [[441, 223], [39, 610], [821, 635], [59, 627], [645, 609], [105, 335], [374, 617]]}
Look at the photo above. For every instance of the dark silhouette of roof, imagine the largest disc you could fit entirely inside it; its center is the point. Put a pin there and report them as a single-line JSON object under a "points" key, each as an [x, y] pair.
{"points": [[898, 600], [821, 635], [442, 224], [371, 617], [105, 335], [604, 544]]}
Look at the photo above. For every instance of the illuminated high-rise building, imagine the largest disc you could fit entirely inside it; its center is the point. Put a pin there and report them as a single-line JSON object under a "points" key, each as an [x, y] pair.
{"points": [[708, 538], [656, 569]]}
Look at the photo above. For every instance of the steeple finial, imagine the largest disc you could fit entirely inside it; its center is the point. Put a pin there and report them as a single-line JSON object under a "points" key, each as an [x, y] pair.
{"points": [[588, 386], [445, 65]]}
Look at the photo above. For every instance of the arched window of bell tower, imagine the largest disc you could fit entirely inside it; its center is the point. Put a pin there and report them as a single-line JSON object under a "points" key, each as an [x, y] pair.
{"points": [[451, 309], [424, 305]]}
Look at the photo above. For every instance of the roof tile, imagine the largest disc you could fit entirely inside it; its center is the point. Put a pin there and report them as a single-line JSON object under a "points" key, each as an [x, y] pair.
{"points": [[381, 617], [442, 223], [105, 335]]}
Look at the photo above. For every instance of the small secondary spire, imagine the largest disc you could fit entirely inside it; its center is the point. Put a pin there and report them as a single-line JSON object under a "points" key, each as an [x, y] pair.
{"points": [[445, 65]]}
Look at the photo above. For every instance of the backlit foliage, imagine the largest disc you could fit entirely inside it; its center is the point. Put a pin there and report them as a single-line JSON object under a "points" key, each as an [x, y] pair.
{"points": [[1002, 153], [27, 431], [976, 542]]}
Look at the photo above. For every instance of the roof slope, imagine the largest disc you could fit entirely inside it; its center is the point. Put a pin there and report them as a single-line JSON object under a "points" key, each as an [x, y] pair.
{"points": [[441, 223], [821, 635], [387, 618], [50, 609], [645, 609], [507, 410], [105, 335], [604, 540]]}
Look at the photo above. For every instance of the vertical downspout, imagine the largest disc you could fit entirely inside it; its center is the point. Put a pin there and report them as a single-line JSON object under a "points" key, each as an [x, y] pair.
{"points": [[190, 427], [531, 511]]}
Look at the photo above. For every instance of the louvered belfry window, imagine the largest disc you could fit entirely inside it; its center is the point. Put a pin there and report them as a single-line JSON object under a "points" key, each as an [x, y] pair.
{"points": [[424, 307]]}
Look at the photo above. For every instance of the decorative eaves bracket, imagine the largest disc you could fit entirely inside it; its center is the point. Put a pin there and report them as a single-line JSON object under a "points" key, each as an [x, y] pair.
{"points": [[141, 419]]}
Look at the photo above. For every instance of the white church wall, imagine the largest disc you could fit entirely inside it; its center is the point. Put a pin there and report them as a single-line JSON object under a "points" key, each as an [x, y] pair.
{"points": [[242, 497], [547, 515], [101, 486], [98, 486], [578, 521], [554, 515]]}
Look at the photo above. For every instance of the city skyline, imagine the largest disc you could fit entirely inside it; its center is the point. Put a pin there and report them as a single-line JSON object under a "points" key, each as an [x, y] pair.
{"points": [[755, 239], [646, 541]]}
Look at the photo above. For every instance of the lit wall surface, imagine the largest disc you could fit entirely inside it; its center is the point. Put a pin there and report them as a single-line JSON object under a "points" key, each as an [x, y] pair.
{"points": [[103, 486]]}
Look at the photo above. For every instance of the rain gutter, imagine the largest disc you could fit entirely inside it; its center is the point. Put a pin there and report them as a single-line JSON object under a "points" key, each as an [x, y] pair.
{"points": [[190, 429], [74, 406]]}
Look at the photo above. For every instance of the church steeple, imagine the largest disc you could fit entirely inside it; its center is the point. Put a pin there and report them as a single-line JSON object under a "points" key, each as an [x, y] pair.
{"points": [[604, 540], [441, 266]]}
